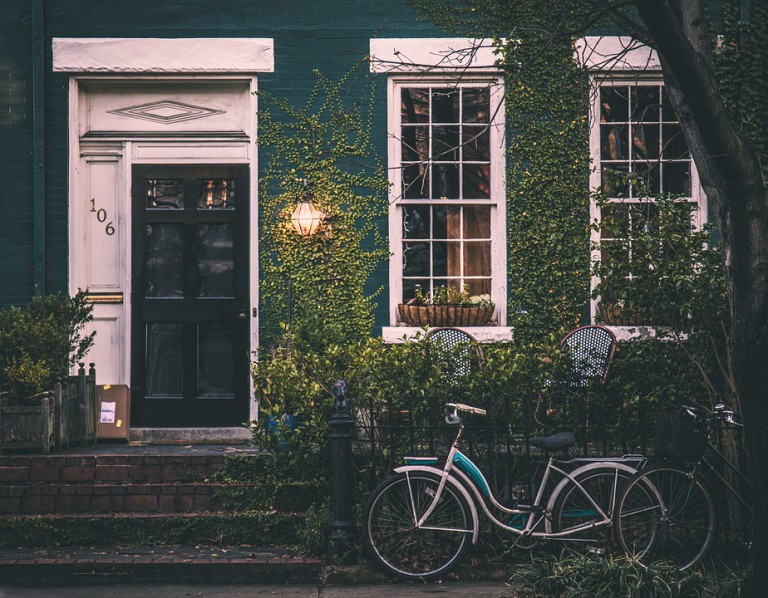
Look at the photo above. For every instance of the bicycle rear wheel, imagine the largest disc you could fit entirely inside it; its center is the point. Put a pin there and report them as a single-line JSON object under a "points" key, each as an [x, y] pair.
{"points": [[666, 513], [394, 542], [573, 508]]}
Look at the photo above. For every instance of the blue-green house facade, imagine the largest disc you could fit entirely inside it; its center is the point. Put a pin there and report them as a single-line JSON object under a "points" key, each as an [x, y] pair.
{"points": [[131, 169]]}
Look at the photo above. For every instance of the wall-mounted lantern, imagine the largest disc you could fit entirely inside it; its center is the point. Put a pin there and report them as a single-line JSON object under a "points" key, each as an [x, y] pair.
{"points": [[306, 218]]}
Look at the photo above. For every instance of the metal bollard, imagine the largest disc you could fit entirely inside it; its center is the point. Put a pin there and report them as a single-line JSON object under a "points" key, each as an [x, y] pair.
{"points": [[342, 531]]}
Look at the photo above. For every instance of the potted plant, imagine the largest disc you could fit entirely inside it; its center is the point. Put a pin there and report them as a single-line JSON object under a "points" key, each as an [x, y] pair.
{"points": [[39, 344], [447, 306]]}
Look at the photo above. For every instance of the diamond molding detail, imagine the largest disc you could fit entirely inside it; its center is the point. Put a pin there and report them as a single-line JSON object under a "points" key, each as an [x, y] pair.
{"points": [[166, 112]]}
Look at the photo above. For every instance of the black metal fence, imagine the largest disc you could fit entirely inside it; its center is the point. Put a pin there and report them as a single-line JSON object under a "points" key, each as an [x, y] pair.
{"points": [[497, 442]]}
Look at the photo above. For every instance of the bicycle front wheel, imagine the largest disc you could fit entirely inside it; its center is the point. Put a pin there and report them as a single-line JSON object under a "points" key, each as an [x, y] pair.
{"points": [[575, 513], [393, 540], [666, 513]]}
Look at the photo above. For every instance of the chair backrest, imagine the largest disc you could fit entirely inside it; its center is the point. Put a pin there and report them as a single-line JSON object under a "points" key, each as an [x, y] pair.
{"points": [[590, 351], [441, 342]]}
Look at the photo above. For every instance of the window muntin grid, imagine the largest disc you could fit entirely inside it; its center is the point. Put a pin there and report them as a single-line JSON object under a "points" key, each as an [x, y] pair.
{"points": [[641, 151], [445, 160]]}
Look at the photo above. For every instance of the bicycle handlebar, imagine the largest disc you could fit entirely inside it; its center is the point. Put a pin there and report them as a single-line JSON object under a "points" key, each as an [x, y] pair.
{"points": [[452, 409]]}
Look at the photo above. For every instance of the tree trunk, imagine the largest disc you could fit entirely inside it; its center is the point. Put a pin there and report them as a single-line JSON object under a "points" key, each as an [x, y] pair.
{"points": [[731, 176]]}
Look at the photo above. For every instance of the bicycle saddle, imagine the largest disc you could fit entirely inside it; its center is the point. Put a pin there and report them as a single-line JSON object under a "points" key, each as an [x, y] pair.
{"points": [[555, 442]]}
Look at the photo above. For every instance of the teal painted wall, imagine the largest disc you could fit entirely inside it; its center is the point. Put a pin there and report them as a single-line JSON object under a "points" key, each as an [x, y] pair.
{"points": [[329, 35]]}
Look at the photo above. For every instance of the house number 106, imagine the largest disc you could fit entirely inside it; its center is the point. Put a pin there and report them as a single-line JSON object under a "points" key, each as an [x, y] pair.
{"points": [[101, 216]]}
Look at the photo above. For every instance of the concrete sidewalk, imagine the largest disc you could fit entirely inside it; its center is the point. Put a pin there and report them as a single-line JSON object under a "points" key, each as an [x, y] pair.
{"points": [[456, 589]]}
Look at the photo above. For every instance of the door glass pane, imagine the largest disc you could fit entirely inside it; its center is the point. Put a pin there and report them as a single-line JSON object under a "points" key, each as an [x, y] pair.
{"points": [[164, 365], [165, 194], [215, 361], [216, 260], [216, 194], [164, 265]]}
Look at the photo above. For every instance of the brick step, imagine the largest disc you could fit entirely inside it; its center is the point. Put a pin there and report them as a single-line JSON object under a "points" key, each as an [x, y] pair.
{"points": [[180, 497], [21, 469], [150, 529]]}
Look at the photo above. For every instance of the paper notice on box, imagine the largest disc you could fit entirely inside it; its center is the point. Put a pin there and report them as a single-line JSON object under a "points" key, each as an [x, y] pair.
{"points": [[107, 413]]}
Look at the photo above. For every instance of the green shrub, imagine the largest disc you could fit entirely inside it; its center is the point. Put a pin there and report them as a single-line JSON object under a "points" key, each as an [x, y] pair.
{"points": [[40, 342], [575, 574]]}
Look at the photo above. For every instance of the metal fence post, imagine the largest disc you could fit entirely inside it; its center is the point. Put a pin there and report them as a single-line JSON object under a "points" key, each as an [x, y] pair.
{"points": [[342, 532]]}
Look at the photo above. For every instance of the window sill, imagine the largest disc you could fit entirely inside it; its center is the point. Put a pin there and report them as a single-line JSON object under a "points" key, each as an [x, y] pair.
{"points": [[484, 334]]}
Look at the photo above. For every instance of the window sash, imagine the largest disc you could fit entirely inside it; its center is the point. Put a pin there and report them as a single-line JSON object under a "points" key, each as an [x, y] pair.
{"points": [[469, 257]]}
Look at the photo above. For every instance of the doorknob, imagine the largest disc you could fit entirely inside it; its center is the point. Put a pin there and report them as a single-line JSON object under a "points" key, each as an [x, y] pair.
{"points": [[243, 315]]}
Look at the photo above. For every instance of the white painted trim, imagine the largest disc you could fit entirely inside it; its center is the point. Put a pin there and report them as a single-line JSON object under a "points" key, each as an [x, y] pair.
{"points": [[126, 152], [483, 334], [432, 54], [497, 202], [163, 55], [615, 53]]}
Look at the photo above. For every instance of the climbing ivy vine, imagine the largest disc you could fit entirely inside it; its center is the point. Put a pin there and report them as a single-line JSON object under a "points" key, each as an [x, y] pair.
{"points": [[325, 143], [546, 102]]}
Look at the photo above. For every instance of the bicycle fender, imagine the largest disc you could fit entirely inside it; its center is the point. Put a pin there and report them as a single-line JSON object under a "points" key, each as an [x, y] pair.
{"points": [[456, 484], [583, 469]]}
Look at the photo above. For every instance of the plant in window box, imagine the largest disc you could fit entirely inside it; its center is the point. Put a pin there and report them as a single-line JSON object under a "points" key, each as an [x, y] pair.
{"points": [[447, 306], [39, 343]]}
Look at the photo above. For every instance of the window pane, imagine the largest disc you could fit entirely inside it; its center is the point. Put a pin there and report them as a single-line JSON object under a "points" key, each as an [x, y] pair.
{"points": [[480, 286], [416, 222], [215, 361], [445, 105], [646, 104], [477, 105], [445, 144], [477, 258], [414, 105], [416, 181], [216, 260], [645, 142], [649, 179], [446, 259], [445, 181], [416, 259], [614, 180], [675, 147], [415, 143], [216, 194], [677, 178], [447, 222], [164, 361], [477, 222], [614, 218], [164, 266], [165, 194], [614, 104], [476, 181], [409, 287], [613, 142], [476, 143]]}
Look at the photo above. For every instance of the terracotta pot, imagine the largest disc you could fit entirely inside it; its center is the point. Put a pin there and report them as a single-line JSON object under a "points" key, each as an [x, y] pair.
{"points": [[445, 315]]}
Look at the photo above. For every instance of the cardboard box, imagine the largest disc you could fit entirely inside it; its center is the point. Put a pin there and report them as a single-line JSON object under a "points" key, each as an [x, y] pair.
{"points": [[114, 414]]}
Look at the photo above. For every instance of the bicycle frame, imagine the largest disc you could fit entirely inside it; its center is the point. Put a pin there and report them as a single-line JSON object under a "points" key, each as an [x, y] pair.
{"points": [[462, 473]]}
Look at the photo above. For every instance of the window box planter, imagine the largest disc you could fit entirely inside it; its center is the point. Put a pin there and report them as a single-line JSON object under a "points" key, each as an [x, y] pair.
{"points": [[445, 315]]}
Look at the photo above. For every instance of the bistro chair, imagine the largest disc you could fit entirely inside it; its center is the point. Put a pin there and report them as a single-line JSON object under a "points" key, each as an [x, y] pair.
{"points": [[455, 350]]}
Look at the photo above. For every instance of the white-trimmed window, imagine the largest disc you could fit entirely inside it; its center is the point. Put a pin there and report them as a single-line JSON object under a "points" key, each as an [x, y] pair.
{"points": [[446, 159], [637, 146]]}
